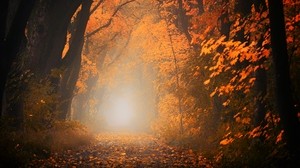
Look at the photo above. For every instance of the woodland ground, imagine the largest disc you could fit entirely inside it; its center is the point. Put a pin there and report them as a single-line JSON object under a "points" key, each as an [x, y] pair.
{"points": [[124, 150]]}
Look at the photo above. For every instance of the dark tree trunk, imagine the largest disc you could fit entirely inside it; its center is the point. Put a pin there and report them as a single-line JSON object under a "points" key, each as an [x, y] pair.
{"points": [[72, 61], [48, 33], [285, 104], [13, 41], [261, 91], [67, 87], [60, 34], [3, 19], [47, 36], [183, 21], [261, 83]]}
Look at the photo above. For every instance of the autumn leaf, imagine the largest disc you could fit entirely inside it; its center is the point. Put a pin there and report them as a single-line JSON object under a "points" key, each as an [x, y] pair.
{"points": [[213, 93], [279, 137], [226, 103], [196, 74], [226, 141], [266, 53], [289, 39], [206, 82]]}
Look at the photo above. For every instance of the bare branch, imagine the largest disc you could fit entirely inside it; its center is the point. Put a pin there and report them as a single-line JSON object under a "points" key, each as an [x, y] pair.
{"points": [[110, 20], [96, 6], [122, 50]]}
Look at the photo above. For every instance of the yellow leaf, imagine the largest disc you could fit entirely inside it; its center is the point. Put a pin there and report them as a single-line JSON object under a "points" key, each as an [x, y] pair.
{"points": [[234, 54], [246, 120], [226, 103], [213, 93], [234, 61], [246, 91], [243, 75], [196, 74], [206, 82], [239, 135], [251, 80], [226, 141]]}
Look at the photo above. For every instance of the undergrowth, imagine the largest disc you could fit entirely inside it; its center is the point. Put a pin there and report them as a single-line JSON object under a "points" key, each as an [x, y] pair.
{"points": [[18, 148]]}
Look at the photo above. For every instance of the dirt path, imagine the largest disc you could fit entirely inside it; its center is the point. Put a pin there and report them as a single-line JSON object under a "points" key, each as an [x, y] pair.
{"points": [[125, 150]]}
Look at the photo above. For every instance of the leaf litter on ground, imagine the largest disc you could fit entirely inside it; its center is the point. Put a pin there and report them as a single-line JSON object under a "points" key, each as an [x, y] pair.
{"points": [[125, 150]]}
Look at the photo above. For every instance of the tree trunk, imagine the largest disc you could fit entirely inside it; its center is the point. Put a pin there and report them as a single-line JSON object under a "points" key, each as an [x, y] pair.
{"points": [[3, 19], [67, 87], [183, 21], [12, 43], [285, 104], [48, 33], [72, 61], [261, 83], [47, 37], [261, 92]]}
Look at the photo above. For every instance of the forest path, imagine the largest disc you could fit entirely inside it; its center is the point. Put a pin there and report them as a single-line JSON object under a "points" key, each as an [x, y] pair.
{"points": [[125, 150]]}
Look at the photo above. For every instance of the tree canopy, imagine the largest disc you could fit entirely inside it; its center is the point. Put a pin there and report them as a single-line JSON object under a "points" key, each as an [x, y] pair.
{"points": [[220, 78]]}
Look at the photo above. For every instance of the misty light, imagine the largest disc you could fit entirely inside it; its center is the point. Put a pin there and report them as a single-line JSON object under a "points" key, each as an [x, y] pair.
{"points": [[120, 114]]}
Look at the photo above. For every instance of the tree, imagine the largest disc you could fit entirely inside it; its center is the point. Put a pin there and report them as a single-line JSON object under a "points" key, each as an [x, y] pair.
{"points": [[72, 60], [285, 102], [3, 68], [12, 42], [47, 34], [47, 24], [45, 38]]}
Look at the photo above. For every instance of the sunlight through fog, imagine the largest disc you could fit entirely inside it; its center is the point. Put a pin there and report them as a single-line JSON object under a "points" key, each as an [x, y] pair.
{"points": [[120, 113]]}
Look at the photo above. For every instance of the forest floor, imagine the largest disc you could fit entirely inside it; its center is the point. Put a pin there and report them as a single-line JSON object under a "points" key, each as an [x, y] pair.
{"points": [[124, 150]]}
